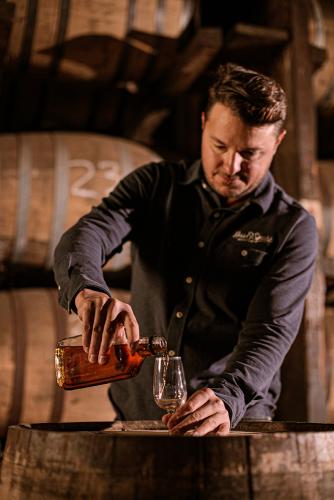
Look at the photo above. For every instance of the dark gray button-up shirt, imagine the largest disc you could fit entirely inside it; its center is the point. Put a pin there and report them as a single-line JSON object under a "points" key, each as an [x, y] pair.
{"points": [[225, 285]]}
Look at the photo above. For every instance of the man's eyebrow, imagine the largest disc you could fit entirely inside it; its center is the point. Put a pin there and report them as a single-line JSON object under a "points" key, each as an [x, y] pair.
{"points": [[253, 150], [218, 140]]}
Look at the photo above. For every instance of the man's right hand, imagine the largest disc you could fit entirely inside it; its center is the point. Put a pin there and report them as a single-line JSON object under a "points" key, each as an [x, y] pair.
{"points": [[103, 317]]}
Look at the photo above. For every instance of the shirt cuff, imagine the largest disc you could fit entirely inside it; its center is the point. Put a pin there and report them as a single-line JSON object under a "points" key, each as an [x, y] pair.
{"points": [[234, 401], [79, 282]]}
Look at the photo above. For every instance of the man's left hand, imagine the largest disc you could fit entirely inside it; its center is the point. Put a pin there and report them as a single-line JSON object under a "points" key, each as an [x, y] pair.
{"points": [[201, 414]]}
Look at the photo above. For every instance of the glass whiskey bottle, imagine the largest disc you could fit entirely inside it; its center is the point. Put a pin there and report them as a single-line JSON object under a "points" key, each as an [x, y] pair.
{"points": [[74, 371]]}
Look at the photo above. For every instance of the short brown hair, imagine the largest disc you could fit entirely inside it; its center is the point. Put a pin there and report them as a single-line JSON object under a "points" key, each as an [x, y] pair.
{"points": [[256, 98]]}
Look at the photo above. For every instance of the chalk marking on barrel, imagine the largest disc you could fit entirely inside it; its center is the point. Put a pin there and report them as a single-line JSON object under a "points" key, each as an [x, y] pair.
{"points": [[77, 188], [112, 172]]}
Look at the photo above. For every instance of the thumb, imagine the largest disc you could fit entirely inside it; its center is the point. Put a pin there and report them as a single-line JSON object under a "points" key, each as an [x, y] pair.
{"points": [[165, 418]]}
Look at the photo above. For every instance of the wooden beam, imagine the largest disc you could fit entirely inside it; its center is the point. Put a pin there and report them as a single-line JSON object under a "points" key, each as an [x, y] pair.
{"points": [[246, 36], [304, 386], [7, 10], [189, 65], [193, 61]]}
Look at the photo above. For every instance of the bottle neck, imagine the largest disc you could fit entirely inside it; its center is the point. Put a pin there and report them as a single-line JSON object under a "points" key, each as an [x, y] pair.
{"points": [[152, 346]]}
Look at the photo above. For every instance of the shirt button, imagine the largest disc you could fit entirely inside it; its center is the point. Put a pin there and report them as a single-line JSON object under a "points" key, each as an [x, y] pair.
{"points": [[216, 215], [179, 314], [244, 253], [201, 244], [189, 280], [171, 353]]}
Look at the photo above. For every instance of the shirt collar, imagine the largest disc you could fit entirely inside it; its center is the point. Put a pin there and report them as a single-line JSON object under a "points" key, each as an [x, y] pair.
{"points": [[264, 193], [192, 173], [261, 196]]}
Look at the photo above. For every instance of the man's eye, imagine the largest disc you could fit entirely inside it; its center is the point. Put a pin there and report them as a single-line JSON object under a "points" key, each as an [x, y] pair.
{"points": [[247, 154], [220, 147]]}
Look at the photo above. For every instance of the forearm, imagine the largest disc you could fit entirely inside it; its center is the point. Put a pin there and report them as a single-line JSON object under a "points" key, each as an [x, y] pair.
{"points": [[83, 250], [271, 325], [86, 247], [254, 363]]}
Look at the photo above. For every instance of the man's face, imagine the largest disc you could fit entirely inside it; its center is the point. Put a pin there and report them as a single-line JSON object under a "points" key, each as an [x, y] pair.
{"points": [[235, 156]]}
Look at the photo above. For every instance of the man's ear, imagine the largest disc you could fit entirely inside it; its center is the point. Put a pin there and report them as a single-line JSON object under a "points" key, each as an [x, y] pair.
{"points": [[280, 137]]}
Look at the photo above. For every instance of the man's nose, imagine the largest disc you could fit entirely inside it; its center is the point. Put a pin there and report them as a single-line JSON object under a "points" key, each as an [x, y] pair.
{"points": [[232, 163]]}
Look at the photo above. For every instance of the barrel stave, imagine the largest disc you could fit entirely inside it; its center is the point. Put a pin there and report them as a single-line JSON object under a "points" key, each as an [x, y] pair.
{"points": [[291, 464]]}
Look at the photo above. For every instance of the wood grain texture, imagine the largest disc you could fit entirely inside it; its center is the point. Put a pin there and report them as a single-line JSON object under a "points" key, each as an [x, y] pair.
{"points": [[51, 180], [329, 327], [45, 25], [294, 462], [304, 387], [326, 176], [7, 10]]}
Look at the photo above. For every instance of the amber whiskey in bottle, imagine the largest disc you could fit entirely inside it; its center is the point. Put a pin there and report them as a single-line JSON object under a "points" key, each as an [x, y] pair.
{"points": [[74, 371]]}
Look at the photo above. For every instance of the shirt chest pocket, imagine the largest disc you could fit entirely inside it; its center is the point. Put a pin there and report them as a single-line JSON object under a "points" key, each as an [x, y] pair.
{"points": [[233, 275], [242, 256], [251, 257]]}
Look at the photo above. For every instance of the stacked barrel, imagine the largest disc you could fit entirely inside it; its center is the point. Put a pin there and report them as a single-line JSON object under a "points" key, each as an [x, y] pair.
{"points": [[84, 64], [74, 78], [326, 170], [323, 36], [51, 180]]}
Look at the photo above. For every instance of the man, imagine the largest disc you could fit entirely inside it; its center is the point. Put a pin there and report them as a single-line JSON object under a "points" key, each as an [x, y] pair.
{"points": [[222, 261]]}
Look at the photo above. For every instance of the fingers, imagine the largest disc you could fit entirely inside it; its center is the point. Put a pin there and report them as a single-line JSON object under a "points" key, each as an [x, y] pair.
{"points": [[113, 333], [91, 311], [165, 418], [96, 332], [87, 318], [193, 403], [202, 414], [103, 318], [120, 312], [121, 324], [217, 424]]}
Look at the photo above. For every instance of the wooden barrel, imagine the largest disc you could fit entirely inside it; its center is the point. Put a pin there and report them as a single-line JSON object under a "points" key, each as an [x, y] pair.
{"points": [[39, 29], [31, 322], [323, 76], [87, 64], [260, 461], [326, 175], [329, 328], [323, 37], [49, 180]]}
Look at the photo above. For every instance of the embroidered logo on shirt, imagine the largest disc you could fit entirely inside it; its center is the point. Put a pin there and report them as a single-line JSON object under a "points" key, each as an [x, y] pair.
{"points": [[252, 237]]}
